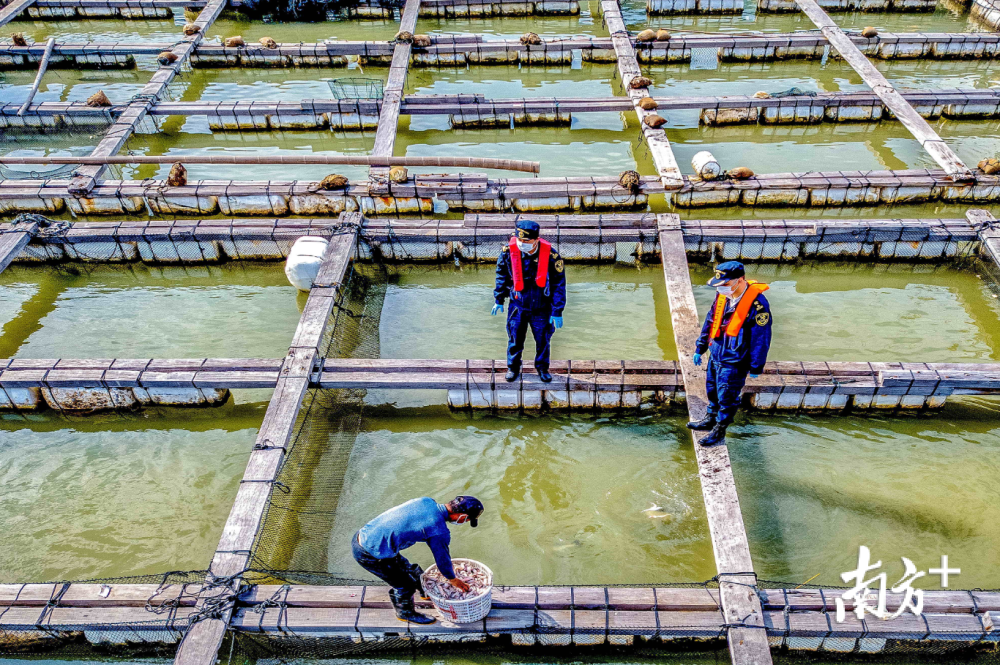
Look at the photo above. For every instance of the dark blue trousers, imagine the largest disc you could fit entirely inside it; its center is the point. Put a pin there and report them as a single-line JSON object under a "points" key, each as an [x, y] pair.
{"points": [[396, 571], [724, 383], [518, 322]]}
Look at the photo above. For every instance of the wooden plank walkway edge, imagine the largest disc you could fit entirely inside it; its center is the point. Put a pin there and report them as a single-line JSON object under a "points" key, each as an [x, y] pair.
{"points": [[793, 618], [842, 378], [792, 109], [741, 607], [205, 197], [201, 643], [618, 598], [757, 45]]}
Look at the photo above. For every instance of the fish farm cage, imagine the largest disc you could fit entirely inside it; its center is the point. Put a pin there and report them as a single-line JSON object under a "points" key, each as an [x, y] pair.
{"points": [[266, 594]]}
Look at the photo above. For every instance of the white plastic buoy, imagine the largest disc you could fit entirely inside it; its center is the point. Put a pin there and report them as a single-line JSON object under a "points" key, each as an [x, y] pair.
{"points": [[304, 261], [706, 166]]}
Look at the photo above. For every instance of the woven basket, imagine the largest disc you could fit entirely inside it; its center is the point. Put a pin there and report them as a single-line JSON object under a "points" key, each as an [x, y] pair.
{"points": [[463, 611]]}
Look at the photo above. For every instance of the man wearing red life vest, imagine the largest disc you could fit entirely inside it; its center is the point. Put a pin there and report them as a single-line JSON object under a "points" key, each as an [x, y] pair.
{"points": [[737, 331], [531, 273]]}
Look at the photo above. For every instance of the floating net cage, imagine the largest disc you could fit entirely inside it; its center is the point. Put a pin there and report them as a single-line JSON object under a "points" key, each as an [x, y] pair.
{"points": [[353, 87], [292, 547]]}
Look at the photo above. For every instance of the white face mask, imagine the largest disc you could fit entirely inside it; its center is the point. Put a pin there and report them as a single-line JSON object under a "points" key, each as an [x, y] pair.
{"points": [[525, 247], [725, 290]]}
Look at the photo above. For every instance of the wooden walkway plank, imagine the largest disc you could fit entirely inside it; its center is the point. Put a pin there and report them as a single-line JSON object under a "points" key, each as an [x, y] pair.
{"points": [[392, 97], [13, 239], [475, 106], [13, 9], [201, 643], [922, 132], [114, 139], [737, 582], [628, 68], [958, 45]]}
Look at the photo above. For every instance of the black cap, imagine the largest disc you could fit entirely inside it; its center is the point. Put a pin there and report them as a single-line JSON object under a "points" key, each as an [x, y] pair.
{"points": [[727, 271], [469, 505], [527, 230]]}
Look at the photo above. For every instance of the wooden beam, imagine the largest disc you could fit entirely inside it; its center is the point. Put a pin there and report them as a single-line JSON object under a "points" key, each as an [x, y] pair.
{"points": [[581, 614], [201, 644], [628, 68], [737, 583], [988, 229], [123, 127], [392, 97], [606, 376], [38, 77], [14, 239], [979, 44], [471, 106], [13, 9], [906, 114]]}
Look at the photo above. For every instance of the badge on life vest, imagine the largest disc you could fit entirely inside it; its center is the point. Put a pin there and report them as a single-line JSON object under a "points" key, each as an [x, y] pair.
{"points": [[762, 318], [559, 265]]}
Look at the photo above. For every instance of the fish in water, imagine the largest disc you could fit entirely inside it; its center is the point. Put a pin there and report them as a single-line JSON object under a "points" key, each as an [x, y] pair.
{"points": [[469, 572], [656, 512]]}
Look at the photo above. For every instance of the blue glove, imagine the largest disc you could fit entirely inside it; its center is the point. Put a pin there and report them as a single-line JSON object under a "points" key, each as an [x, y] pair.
{"points": [[697, 359], [497, 308], [753, 376], [556, 321]]}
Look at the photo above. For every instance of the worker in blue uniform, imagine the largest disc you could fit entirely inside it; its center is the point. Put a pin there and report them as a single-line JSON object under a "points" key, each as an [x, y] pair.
{"points": [[377, 545], [533, 275], [737, 333]]}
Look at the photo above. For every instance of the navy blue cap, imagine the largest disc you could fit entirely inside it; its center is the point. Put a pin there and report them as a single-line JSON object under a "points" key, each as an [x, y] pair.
{"points": [[527, 230], [469, 505], [727, 271]]}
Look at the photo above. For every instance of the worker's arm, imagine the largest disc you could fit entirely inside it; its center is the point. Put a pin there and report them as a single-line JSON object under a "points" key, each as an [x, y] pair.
{"points": [[557, 282], [701, 346], [760, 335], [504, 278], [442, 557]]}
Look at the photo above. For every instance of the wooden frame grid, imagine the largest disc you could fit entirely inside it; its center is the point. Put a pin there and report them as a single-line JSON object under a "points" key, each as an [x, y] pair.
{"points": [[739, 615]]}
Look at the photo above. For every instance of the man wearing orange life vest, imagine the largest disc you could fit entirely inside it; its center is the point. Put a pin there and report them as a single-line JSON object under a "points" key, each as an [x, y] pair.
{"points": [[737, 331], [531, 273]]}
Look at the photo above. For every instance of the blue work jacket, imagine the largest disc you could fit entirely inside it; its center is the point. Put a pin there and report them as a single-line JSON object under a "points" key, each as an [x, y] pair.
{"points": [[748, 349], [550, 300]]}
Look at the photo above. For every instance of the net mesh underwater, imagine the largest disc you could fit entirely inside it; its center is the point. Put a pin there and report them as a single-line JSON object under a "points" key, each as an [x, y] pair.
{"points": [[292, 549]]}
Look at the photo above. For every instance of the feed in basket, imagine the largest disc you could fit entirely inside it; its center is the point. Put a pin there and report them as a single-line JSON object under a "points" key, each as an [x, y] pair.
{"points": [[473, 575]]}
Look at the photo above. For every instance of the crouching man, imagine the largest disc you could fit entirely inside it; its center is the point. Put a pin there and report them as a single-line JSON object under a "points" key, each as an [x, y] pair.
{"points": [[378, 544]]}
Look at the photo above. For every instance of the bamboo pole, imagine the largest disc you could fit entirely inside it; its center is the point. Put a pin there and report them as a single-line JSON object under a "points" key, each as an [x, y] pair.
{"points": [[42, 66], [281, 160]]}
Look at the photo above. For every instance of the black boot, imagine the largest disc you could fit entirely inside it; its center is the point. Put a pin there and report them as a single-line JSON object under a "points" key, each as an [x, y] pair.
{"points": [[717, 435], [706, 423], [544, 375], [511, 374], [404, 608]]}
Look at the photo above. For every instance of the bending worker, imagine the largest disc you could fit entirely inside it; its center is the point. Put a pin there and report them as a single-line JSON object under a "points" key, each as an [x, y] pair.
{"points": [[737, 331], [531, 273], [378, 544]]}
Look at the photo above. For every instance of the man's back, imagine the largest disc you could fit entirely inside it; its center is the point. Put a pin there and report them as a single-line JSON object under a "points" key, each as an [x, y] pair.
{"points": [[417, 520]]}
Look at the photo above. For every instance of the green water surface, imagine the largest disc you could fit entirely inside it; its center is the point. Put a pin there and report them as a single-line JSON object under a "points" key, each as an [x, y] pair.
{"points": [[116, 495], [235, 310]]}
